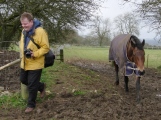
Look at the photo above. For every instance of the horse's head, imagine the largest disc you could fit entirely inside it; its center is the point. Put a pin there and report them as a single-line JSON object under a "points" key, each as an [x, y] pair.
{"points": [[136, 54]]}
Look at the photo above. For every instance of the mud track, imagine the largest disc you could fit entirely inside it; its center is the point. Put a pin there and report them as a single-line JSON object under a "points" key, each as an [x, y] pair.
{"points": [[105, 101]]}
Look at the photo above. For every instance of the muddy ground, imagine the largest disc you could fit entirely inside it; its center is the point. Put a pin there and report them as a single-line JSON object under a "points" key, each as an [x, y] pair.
{"points": [[103, 100]]}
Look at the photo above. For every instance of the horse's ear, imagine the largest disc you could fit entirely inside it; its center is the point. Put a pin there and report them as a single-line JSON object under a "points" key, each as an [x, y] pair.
{"points": [[133, 43], [143, 42]]}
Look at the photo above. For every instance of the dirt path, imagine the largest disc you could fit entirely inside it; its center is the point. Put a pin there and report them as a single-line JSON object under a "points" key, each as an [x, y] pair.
{"points": [[102, 101]]}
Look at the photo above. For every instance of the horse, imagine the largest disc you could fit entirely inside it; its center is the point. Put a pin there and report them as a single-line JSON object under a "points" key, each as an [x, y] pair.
{"points": [[128, 55]]}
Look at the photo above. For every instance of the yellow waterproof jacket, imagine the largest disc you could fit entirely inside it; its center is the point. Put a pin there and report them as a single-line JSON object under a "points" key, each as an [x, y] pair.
{"points": [[41, 38]]}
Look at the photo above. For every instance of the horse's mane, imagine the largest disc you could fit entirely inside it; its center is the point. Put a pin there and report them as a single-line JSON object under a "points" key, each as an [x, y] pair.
{"points": [[137, 41]]}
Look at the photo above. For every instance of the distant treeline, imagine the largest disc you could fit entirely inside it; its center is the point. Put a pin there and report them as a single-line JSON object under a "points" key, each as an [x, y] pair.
{"points": [[152, 47]]}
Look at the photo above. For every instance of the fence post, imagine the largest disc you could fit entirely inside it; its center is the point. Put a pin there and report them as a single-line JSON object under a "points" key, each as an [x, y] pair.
{"points": [[61, 55], [147, 61], [24, 91]]}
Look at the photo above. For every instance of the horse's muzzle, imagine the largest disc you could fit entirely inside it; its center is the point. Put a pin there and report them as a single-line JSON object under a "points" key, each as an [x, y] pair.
{"points": [[141, 72]]}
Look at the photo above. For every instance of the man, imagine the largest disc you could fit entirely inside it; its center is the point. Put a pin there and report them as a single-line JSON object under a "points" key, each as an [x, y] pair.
{"points": [[32, 58]]}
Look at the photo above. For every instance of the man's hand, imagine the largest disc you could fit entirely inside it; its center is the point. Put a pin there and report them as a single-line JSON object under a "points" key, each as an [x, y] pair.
{"points": [[32, 54]]}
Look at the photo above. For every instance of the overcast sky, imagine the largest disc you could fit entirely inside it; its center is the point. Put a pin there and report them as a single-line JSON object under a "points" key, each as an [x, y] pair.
{"points": [[113, 8]]}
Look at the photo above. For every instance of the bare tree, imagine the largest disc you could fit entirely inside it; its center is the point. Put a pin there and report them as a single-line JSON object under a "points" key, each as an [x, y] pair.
{"points": [[150, 12], [101, 29], [126, 24]]}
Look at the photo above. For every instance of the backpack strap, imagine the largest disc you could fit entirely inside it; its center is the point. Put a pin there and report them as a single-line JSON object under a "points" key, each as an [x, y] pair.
{"points": [[32, 39]]}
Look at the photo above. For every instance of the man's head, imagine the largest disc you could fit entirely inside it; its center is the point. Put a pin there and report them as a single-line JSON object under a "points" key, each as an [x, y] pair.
{"points": [[26, 21]]}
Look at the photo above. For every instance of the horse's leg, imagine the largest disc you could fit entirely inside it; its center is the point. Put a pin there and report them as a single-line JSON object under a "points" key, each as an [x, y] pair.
{"points": [[126, 79], [117, 71], [138, 89]]}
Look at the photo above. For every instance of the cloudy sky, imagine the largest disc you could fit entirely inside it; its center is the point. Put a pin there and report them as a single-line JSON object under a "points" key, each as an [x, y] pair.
{"points": [[113, 8]]}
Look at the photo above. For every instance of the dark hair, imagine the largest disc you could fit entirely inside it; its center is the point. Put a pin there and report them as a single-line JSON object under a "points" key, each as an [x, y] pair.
{"points": [[27, 15], [138, 43]]}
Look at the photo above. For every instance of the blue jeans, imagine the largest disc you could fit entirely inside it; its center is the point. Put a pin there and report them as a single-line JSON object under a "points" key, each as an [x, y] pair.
{"points": [[31, 78]]}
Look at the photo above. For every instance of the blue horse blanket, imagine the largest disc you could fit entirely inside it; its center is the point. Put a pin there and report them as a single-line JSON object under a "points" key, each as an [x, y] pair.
{"points": [[118, 53]]}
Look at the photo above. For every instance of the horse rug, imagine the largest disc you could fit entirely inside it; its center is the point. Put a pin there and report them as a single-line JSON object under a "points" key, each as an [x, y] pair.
{"points": [[118, 53]]}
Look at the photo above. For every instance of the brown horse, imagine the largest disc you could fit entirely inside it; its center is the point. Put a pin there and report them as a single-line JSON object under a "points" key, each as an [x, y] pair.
{"points": [[127, 53]]}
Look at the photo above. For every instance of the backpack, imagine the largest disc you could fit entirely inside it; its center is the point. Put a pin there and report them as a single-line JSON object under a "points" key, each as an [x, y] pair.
{"points": [[49, 57]]}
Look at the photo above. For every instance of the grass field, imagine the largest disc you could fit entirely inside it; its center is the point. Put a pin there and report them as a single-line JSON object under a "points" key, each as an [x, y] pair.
{"points": [[152, 57], [88, 53]]}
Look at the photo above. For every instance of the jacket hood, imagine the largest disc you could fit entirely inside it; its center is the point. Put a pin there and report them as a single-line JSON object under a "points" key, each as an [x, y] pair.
{"points": [[36, 24]]}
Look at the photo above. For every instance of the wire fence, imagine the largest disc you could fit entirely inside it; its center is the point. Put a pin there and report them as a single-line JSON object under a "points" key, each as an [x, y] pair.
{"points": [[152, 61], [9, 77], [152, 56], [153, 47]]}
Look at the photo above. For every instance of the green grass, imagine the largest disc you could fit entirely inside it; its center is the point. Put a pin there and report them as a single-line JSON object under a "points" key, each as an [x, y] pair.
{"points": [[14, 47], [47, 77], [88, 53], [79, 92], [15, 100], [152, 57]]}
